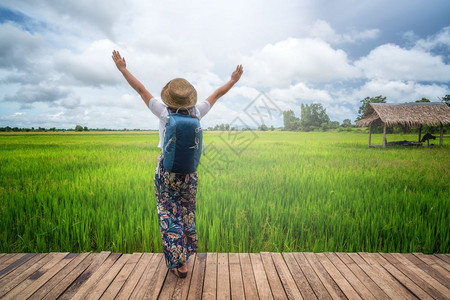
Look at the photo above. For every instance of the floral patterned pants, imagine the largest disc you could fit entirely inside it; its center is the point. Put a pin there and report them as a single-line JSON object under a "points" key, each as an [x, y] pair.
{"points": [[176, 204]]}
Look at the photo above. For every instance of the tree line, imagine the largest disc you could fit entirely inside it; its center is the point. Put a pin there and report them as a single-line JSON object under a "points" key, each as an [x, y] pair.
{"points": [[313, 118], [78, 128]]}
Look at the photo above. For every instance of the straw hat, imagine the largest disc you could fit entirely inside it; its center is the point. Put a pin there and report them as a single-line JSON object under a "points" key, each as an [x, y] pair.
{"points": [[179, 93]]}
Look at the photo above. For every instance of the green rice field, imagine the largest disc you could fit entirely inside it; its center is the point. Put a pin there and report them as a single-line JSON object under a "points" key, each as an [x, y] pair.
{"points": [[258, 191]]}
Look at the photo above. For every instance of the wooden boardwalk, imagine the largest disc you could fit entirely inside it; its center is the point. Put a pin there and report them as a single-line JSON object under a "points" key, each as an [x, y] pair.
{"points": [[265, 275]]}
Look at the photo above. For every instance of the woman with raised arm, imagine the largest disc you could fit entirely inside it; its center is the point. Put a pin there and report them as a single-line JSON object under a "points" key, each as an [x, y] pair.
{"points": [[176, 192]]}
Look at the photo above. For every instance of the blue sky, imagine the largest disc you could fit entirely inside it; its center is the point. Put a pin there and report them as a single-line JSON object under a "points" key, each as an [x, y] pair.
{"points": [[56, 68]]}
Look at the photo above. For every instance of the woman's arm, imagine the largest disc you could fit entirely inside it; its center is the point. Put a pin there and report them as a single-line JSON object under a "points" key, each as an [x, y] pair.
{"points": [[235, 76], [135, 84]]}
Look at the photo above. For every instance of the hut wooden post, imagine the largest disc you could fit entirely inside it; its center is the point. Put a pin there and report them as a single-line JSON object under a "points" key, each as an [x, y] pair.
{"points": [[420, 132], [370, 134], [442, 135], [384, 135]]}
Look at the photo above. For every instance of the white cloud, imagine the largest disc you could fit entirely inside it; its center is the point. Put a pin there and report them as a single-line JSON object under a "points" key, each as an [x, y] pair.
{"points": [[300, 92], [56, 61], [290, 61], [81, 17], [18, 47], [45, 92], [399, 91], [92, 67], [323, 31], [338, 112], [392, 62], [442, 38]]}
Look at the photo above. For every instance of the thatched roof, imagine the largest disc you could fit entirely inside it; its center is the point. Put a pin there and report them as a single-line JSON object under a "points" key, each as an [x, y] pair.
{"points": [[407, 114]]}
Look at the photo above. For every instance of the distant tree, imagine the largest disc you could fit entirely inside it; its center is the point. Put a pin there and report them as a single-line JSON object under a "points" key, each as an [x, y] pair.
{"points": [[365, 104], [291, 122], [272, 128], [423, 100], [85, 128], [78, 128], [347, 123], [263, 127], [313, 116], [445, 99], [333, 124]]}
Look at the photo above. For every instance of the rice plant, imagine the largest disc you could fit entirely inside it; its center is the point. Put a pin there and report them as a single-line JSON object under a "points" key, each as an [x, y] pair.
{"points": [[273, 191]]}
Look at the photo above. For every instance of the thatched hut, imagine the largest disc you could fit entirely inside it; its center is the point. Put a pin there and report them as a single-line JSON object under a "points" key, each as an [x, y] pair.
{"points": [[407, 114]]}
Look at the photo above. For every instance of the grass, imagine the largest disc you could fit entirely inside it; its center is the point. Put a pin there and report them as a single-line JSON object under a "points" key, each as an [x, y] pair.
{"points": [[258, 191]]}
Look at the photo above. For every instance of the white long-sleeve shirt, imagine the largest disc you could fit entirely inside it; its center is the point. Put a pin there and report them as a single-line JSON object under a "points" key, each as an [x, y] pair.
{"points": [[159, 109]]}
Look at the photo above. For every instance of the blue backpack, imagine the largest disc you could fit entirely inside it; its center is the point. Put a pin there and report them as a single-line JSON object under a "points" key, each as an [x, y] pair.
{"points": [[182, 143]]}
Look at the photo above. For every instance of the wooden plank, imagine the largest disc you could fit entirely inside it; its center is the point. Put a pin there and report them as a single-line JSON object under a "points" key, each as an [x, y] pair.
{"points": [[16, 276], [399, 273], [26, 288], [261, 280], [223, 277], [210, 282], [384, 280], [248, 277], [362, 276], [276, 286], [135, 276], [236, 283], [443, 278], [434, 262], [108, 277], [428, 259], [62, 285], [316, 284], [442, 262], [352, 279], [10, 258], [443, 257], [327, 280], [298, 276], [286, 278], [157, 279], [15, 262], [168, 285], [55, 280], [181, 291], [88, 286], [437, 287], [343, 284], [87, 269], [145, 282], [198, 274], [6, 257], [116, 285]]}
